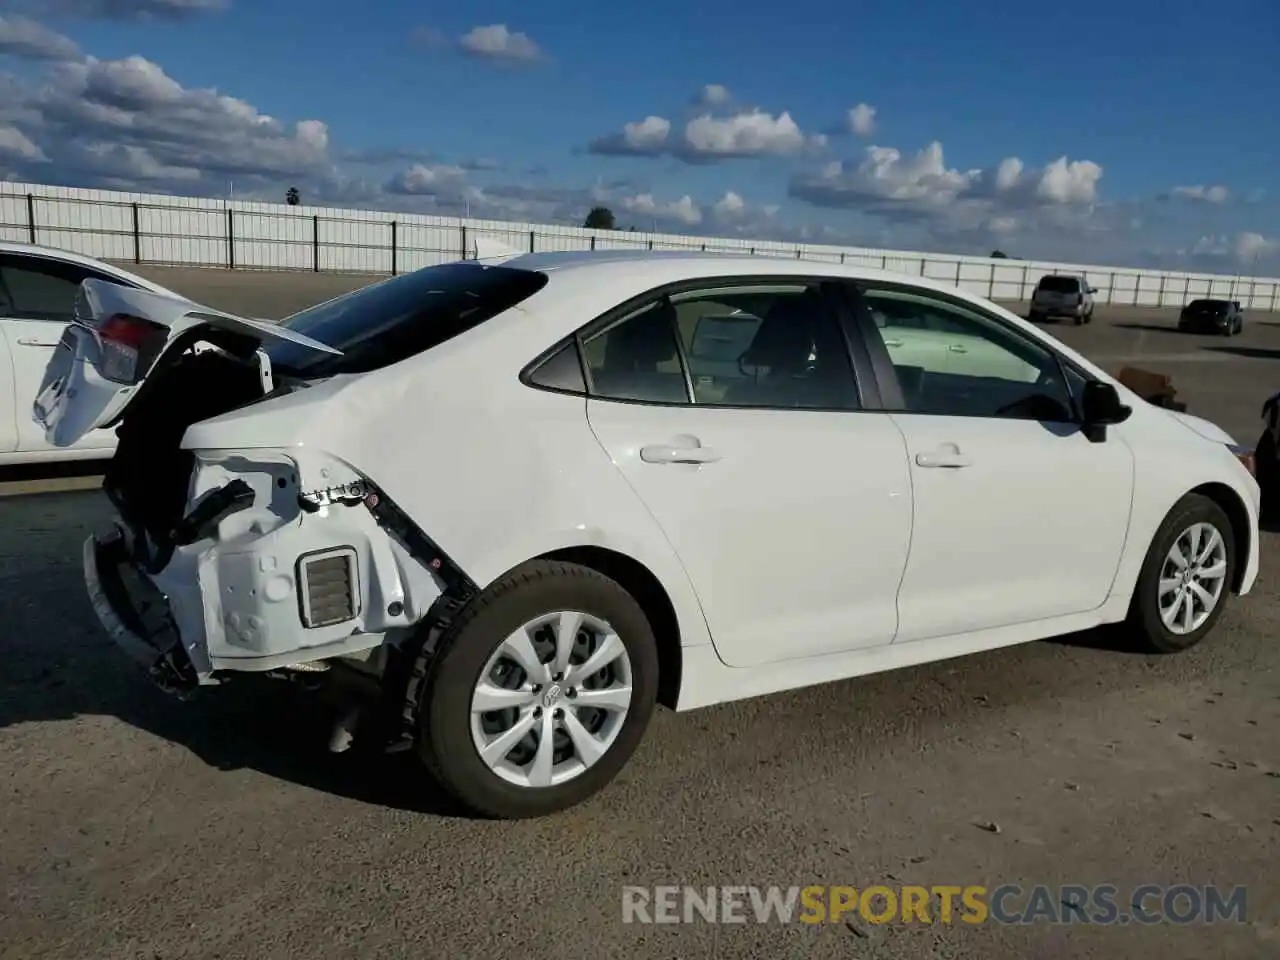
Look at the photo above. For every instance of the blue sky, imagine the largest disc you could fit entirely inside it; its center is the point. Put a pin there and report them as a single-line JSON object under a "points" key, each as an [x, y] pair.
{"points": [[1144, 132]]}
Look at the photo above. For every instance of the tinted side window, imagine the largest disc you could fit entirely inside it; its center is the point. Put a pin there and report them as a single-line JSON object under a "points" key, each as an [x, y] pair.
{"points": [[637, 358], [34, 289], [983, 369], [776, 346], [561, 371]]}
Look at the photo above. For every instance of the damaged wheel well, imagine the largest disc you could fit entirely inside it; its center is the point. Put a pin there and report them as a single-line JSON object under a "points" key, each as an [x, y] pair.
{"points": [[1235, 510], [640, 582]]}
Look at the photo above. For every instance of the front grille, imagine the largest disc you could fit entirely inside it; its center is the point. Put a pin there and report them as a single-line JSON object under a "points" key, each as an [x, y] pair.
{"points": [[328, 588]]}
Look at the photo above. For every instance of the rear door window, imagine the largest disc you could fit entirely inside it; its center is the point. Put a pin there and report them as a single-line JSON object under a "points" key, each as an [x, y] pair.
{"points": [[34, 288], [384, 323]]}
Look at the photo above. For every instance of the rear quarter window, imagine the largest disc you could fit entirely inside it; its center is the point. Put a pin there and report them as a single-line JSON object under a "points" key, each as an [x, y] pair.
{"points": [[384, 323]]}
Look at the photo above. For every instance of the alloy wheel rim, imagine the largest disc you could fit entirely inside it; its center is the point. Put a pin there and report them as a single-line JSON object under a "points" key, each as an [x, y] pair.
{"points": [[1192, 578], [551, 699]]}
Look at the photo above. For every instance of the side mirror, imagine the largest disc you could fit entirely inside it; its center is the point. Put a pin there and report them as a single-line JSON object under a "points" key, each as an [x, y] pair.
{"points": [[1100, 405], [1093, 290]]}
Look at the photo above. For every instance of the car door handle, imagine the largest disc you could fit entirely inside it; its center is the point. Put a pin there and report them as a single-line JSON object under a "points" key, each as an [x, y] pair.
{"points": [[667, 453], [943, 459], [893, 343], [33, 342], [958, 348]]}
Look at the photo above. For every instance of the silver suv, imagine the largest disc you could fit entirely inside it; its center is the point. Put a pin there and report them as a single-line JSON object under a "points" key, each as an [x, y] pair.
{"points": [[1062, 295]]}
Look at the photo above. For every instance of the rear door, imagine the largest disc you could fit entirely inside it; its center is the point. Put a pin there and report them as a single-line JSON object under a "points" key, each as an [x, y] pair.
{"points": [[789, 506], [37, 301]]}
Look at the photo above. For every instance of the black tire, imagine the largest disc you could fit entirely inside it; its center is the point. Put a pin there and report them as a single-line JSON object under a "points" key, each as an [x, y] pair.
{"points": [[1144, 610], [1078, 319], [1088, 317], [539, 587]]}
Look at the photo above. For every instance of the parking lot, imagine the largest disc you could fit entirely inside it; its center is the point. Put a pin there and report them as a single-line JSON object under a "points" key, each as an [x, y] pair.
{"points": [[138, 826]]}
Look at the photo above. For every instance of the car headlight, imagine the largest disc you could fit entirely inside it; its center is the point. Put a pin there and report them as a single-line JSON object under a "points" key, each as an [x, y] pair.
{"points": [[1245, 456]]}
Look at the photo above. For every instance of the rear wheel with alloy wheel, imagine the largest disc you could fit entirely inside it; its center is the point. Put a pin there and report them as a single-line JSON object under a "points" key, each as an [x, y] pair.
{"points": [[540, 692], [1186, 577]]}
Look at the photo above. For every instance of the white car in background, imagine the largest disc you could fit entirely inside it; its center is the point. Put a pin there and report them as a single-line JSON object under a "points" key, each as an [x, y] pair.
{"points": [[38, 288], [529, 499]]}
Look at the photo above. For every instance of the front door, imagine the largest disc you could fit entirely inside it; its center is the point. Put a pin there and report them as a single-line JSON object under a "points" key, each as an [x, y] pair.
{"points": [[789, 508], [1018, 516]]}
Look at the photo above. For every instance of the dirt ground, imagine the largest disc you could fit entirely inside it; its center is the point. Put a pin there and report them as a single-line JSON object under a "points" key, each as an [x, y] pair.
{"points": [[137, 826]]}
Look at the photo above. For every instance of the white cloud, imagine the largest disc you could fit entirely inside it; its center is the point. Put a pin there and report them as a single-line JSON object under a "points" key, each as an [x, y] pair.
{"points": [[684, 210], [21, 37], [862, 119], [440, 180], [713, 95], [121, 9], [922, 185], [1211, 194], [708, 138], [1250, 247], [497, 42], [730, 205], [14, 144]]}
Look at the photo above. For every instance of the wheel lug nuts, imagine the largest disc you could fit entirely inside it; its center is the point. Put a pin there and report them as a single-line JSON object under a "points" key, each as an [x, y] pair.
{"points": [[559, 713], [537, 711], [572, 693], [537, 688]]}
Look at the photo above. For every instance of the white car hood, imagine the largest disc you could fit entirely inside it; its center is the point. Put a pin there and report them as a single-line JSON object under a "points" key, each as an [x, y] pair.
{"points": [[1210, 431]]}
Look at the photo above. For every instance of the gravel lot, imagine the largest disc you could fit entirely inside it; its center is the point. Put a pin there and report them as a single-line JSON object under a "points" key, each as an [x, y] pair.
{"points": [[138, 826]]}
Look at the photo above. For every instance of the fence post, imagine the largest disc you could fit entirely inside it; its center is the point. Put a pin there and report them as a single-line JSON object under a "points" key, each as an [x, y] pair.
{"points": [[1022, 285], [884, 261], [1160, 294], [1137, 282], [593, 241], [531, 236], [991, 283], [231, 239], [842, 257], [704, 248], [462, 233], [31, 218], [650, 243], [137, 236], [393, 248], [753, 251], [315, 243]]}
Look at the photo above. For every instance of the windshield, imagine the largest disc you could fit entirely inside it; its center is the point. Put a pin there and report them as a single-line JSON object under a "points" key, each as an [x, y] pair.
{"points": [[387, 322], [1208, 306], [1060, 284]]}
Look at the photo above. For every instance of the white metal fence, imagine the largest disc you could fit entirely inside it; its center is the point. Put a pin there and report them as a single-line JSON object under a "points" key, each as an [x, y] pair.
{"points": [[159, 229]]}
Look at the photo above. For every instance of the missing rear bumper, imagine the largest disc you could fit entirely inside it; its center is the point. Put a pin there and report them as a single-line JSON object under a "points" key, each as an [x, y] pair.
{"points": [[136, 615]]}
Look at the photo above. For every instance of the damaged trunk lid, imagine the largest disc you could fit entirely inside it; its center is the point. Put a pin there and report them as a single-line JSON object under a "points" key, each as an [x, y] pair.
{"points": [[120, 337]]}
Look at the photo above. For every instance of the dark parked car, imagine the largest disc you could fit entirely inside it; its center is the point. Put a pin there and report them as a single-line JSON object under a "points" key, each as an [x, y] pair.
{"points": [[1212, 316]]}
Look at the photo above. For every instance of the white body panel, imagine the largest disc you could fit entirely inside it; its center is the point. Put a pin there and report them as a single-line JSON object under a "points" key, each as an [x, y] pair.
{"points": [[27, 347], [781, 559]]}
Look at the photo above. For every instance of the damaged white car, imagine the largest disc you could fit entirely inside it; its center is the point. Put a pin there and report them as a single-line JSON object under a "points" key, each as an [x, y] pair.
{"points": [[530, 499]]}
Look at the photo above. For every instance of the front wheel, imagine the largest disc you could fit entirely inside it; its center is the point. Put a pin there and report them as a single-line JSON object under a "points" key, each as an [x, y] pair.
{"points": [[539, 693], [1186, 577]]}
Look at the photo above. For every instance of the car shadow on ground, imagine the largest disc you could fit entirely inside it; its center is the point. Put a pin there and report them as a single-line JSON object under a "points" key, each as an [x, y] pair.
{"points": [[1255, 353], [59, 665], [1151, 327]]}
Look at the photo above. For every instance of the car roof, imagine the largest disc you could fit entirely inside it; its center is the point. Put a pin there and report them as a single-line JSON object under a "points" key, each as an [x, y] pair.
{"points": [[655, 268], [79, 259]]}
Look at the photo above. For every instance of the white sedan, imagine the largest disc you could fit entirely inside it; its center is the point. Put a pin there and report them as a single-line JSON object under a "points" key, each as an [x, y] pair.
{"points": [[38, 287], [530, 499]]}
